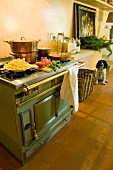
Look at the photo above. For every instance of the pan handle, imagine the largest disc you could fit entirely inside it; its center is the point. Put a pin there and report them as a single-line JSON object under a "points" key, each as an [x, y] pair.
{"points": [[15, 55], [9, 42], [12, 54]]}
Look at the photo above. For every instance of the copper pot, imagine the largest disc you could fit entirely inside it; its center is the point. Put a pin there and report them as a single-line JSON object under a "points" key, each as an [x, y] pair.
{"points": [[23, 45], [30, 57]]}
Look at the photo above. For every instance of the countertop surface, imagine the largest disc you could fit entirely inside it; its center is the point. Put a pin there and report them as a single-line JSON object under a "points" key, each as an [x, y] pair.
{"points": [[83, 53]]}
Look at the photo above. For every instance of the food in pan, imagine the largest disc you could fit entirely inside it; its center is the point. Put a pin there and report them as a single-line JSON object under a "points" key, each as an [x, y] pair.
{"points": [[17, 65]]}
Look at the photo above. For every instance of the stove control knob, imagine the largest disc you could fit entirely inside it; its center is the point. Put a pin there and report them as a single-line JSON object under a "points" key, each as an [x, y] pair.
{"points": [[35, 135], [25, 90]]}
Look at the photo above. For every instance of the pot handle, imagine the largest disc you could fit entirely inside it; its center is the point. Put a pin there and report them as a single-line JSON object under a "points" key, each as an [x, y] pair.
{"points": [[39, 40], [14, 55], [22, 38], [9, 42]]}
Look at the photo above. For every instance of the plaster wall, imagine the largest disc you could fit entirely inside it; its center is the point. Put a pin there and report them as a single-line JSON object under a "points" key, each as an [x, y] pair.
{"points": [[37, 19]]}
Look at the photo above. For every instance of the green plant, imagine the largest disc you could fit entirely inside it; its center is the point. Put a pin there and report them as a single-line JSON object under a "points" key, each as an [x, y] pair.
{"points": [[94, 43], [55, 64]]}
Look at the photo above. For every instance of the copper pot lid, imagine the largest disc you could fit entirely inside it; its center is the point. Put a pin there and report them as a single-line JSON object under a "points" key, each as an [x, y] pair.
{"points": [[23, 39]]}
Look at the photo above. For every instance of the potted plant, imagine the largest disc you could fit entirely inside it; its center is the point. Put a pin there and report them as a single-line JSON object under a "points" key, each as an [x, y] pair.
{"points": [[95, 43]]}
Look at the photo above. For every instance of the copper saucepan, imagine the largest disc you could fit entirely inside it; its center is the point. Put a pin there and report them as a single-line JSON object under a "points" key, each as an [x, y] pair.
{"points": [[43, 52]]}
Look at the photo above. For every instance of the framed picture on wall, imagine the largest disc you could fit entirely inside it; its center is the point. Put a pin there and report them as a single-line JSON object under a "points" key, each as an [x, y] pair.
{"points": [[84, 20]]}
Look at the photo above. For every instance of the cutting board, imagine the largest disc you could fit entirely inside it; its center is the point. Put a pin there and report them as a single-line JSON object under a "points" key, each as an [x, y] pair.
{"points": [[46, 69]]}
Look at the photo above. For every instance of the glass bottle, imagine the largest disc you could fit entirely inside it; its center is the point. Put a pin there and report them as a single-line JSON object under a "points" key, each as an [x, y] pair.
{"points": [[60, 38], [53, 43], [65, 45]]}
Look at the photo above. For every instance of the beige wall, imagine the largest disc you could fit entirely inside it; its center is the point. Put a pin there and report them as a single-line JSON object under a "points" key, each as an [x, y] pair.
{"points": [[34, 19]]}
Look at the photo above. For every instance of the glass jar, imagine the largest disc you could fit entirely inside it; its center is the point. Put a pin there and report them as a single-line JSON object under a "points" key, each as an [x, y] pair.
{"points": [[71, 45], [65, 45], [60, 38], [53, 43]]}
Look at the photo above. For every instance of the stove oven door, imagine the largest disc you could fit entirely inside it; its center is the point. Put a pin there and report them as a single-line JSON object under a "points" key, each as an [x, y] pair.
{"points": [[45, 114], [49, 114]]}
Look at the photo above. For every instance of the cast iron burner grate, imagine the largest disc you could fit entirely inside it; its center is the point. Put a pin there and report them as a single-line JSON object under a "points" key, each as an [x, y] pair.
{"points": [[15, 75]]}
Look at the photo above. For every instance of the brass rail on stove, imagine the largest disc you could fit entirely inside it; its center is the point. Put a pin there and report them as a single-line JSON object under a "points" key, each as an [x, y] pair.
{"points": [[38, 95], [27, 88], [30, 87]]}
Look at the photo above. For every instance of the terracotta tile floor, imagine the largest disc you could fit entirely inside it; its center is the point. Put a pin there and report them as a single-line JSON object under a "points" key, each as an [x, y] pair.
{"points": [[85, 143]]}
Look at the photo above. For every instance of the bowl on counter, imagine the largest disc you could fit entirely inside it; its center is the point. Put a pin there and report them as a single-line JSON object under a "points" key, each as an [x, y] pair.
{"points": [[59, 56]]}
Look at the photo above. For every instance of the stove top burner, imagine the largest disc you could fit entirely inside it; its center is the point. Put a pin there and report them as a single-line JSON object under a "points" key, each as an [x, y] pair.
{"points": [[15, 75], [31, 74], [10, 75]]}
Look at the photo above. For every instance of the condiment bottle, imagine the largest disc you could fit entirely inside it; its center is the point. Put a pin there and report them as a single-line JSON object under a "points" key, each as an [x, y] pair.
{"points": [[71, 45], [60, 38]]}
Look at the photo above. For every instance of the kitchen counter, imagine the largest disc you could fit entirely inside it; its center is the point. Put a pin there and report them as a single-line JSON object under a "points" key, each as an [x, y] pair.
{"points": [[90, 57], [84, 53]]}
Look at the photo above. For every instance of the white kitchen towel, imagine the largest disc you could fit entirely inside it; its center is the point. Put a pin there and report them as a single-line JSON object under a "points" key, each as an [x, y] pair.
{"points": [[69, 87]]}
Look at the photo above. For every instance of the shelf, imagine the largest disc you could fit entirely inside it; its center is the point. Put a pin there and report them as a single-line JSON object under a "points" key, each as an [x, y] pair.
{"points": [[98, 4]]}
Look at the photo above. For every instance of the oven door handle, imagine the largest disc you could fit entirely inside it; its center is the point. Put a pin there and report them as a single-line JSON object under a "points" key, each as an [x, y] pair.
{"points": [[39, 95]]}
